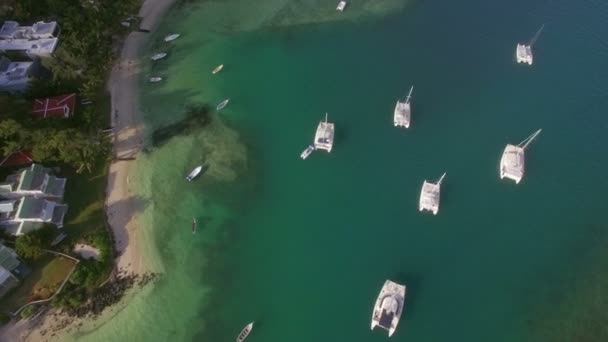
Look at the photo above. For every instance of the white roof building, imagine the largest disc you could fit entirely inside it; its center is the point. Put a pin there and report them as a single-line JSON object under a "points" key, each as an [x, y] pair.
{"points": [[14, 76], [38, 40]]}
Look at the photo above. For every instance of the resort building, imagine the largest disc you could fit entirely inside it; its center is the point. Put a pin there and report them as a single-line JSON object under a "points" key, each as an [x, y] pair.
{"points": [[9, 263], [38, 40], [57, 107], [15, 76], [35, 181], [21, 216]]}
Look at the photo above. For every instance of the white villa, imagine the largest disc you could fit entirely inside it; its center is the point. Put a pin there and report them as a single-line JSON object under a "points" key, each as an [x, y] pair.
{"points": [[15, 76], [28, 200], [26, 214], [35, 181], [38, 40]]}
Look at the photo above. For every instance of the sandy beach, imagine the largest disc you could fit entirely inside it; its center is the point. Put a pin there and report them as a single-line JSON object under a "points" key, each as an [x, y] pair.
{"points": [[128, 139], [120, 201]]}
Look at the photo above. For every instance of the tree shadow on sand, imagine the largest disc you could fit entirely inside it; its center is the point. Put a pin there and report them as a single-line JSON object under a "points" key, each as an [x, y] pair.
{"points": [[197, 116]]}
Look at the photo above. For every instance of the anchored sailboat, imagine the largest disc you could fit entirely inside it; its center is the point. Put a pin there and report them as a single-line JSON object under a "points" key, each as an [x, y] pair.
{"points": [[512, 163], [430, 195], [523, 52], [402, 115], [389, 307], [324, 136]]}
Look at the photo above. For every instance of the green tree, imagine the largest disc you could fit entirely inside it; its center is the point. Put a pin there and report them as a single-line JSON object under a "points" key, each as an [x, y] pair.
{"points": [[13, 136], [31, 245]]}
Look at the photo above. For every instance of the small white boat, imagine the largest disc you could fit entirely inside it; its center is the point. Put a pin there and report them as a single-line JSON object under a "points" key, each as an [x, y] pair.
{"points": [[194, 173], [155, 79], [389, 307], [217, 69], [341, 6], [171, 37], [193, 225], [310, 149], [245, 332], [223, 104], [158, 56]]}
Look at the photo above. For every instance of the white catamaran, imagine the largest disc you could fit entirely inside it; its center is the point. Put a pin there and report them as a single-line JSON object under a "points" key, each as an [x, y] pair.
{"points": [[523, 52], [389, 307], [245, 332], [324, 136], [402, 116], [430, 195], [512, 163]]}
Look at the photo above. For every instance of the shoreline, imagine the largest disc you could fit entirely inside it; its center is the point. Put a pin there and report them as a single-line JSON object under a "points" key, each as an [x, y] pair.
{"points": [[120, 203], [128, 139]]}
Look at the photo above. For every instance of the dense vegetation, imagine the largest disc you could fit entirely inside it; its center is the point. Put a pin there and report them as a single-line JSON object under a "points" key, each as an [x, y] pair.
{"points": [[32, 244], [91, 31]]}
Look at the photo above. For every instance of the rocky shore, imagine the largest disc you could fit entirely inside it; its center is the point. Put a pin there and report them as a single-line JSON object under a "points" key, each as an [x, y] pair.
{"points": [[105, 296]]}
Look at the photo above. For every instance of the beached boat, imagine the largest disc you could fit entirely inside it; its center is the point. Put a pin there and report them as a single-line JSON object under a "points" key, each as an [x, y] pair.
{"points": [[155, 79], [341, 6], [512, 162], [193, 225], [245, 332], [222, 104], [217, 69], [171, 37], [324, 136], [158, 56], [523, 52], [310, 149], [388, 307], [430, 195], [402, 115], [194, 173]]}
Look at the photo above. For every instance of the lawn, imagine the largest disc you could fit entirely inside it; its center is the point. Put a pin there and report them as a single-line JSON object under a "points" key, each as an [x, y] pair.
{"points": [[47, 274]]}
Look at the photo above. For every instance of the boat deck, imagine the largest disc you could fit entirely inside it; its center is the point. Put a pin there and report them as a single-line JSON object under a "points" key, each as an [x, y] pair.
{"points": [[324, 137], [523, 54], [402, 114], [512, 163], [429, 197]]}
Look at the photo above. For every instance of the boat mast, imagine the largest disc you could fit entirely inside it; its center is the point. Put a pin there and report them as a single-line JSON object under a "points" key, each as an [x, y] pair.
{"points": [[441, 179], [536, 35], [529, 139], [407, 99]]}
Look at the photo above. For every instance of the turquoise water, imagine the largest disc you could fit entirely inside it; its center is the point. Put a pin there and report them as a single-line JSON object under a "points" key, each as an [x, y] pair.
{"points": [[303, 247]]}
